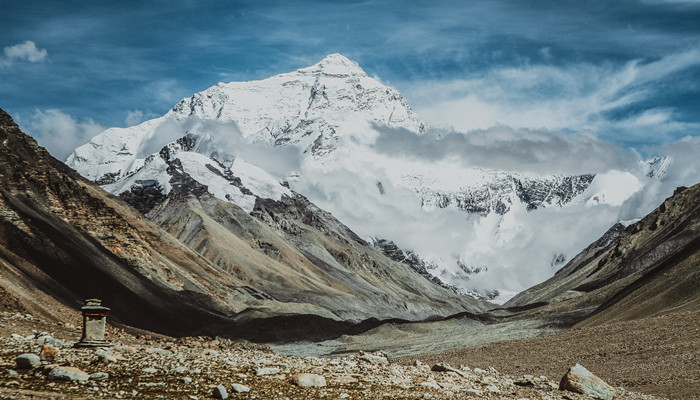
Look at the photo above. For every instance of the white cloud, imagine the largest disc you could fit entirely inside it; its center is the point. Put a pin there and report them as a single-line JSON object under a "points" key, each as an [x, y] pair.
{"points": [[574, 96], [26, 51], [517, 248], [59, 132], [503, 148]]}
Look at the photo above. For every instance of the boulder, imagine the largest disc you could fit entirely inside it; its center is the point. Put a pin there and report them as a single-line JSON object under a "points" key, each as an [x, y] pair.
{"points": [[580, 380], [28, 361], [309, 380], [68, 374]]}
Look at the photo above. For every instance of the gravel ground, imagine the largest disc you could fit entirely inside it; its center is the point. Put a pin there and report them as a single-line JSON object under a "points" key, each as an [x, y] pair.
{"points": [[147, 367], [659, 355]]}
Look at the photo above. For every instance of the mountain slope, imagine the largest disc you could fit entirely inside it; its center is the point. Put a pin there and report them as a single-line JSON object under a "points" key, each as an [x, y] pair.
{"points": [[71, 240], [650, 268]]}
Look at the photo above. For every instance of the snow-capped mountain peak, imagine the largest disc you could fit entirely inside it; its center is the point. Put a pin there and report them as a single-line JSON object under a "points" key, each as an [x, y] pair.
{"points": [[335, 65], [221, 141]]}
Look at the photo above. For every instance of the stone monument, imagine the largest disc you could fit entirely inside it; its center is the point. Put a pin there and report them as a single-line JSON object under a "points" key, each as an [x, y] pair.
{"points": [[94, 323]]}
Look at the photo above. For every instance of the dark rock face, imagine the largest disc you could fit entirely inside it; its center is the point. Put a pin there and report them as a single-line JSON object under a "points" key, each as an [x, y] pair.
{"points": [[144, 195], [391, 250], [495, 197], [299, 208]]}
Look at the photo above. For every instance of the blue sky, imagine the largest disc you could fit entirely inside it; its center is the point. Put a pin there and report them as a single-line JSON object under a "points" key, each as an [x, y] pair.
{"points": [[628, 71]]}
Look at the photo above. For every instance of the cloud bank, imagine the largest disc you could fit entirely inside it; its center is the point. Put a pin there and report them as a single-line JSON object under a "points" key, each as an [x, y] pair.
{"points": [[518, 248], [59, 132], [610, 99]]}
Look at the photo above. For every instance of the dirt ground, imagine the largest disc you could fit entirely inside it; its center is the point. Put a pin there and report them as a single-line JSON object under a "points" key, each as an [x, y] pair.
{"points": [[659, 356]]}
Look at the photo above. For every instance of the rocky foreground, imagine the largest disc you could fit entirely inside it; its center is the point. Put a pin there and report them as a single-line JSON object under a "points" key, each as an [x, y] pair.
{"points": [[42, 364]]}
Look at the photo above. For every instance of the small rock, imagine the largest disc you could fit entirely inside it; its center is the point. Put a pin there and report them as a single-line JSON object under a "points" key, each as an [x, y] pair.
{"points": [[48, 352], [150, 370], [580, 380], [440, 367], [68, 374], [525, 382], [479, 371], [28, 361], [372, 359], [125, 349], [493, 388], [157, 350], [186, 379], [238, 388], [17, 337], [12, 373], [430, 384], [105, 355], [220, 392], [179, 370], [344, 379], [267, 371], [309, 380], [99, 376]]}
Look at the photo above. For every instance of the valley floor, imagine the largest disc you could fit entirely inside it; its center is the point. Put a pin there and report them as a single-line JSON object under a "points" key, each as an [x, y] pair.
{"points": [[147, 366], [656, 355]]}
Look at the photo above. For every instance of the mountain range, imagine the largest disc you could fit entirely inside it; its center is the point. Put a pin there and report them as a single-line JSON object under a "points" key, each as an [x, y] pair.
{"points": [[316, 131]]}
